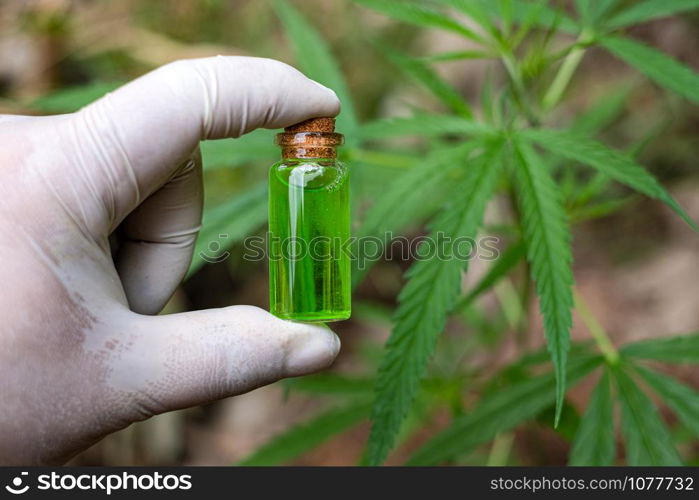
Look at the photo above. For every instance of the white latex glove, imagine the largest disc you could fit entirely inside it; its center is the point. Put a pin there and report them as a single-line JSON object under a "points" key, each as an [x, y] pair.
{"points": [[80, 357]]}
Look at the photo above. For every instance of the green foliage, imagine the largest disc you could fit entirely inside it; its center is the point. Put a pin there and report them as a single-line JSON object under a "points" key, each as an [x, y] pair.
{"points": [[398, 206], [443, 170], [502, 266], [231, 153], [445, 179], [612, 163], [71, 99], [660, 68], [537, 13], [331, 384], [498, 411], [431, 80], [476, 10], [585, 10], [646, 10], [424, 303], [316, 61], [456, 55], [601, 10], [680, 349], [603, 113], [421, 15], [647, 439], [545, 231], [308, 435], [228, 224], [597, 210], [594, 440], [547, 238], [681, 398], [425, 125]]}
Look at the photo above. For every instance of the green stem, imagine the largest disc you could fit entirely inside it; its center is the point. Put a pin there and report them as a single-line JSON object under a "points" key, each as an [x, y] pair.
{"points": [[513, 71], [526, 300], [565, 73], [611, 355], [510, 303], [502, 445], [526, 290]]}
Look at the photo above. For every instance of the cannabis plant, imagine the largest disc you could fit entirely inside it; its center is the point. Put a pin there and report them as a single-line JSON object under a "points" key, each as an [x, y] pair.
{"points": [[509, 146]]}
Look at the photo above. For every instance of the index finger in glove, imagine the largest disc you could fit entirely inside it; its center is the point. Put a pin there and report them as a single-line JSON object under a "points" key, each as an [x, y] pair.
{"points": [[133, 138]]}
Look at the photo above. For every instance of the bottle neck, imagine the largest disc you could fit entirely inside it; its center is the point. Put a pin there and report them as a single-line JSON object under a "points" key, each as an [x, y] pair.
{"points": [[309, 144]]}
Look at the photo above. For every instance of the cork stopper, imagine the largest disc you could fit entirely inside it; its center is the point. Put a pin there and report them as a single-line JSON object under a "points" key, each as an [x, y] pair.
{"points": [[313, 138], [323, 124]]}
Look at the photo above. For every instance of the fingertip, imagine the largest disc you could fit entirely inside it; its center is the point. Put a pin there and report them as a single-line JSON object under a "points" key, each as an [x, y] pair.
{"points": [[183, 359], [301, 99], [311, 348], [333, 105], [305, 347]]}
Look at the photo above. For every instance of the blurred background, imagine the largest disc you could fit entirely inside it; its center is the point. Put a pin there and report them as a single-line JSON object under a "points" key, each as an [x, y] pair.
{"points": [[637, 267]]}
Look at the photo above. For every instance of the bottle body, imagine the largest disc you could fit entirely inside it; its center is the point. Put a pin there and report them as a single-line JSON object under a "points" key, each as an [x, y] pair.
{"points": [[309, 231]]}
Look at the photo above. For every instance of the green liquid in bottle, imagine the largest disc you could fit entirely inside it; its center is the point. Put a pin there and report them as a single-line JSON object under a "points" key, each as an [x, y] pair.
{"points": [[309, 230]]}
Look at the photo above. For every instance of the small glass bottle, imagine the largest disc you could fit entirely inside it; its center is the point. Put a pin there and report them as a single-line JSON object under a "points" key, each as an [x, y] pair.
{"points": [[309, 225]]}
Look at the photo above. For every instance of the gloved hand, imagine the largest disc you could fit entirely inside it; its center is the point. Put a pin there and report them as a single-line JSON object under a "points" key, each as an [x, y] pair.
{"points": [[80, 353]]}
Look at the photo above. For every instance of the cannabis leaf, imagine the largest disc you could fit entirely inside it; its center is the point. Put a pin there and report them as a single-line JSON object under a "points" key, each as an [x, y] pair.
{"points": [[612, 163], [500, 268], [499, 411], [425, 125], [331, 383], [548, 243], [424, 303], [316, 61], [308, 435], [648, 440], [456, 55], [425, 75], [229, 153], [473, 9], [681, 398], [680, 349], [421, 15], [603, 113], [229, 223], [646, 10], [584, 8], [592, 12], [594, 440], [70, 99], [538, 13], [662, 69], [398, 204]]}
